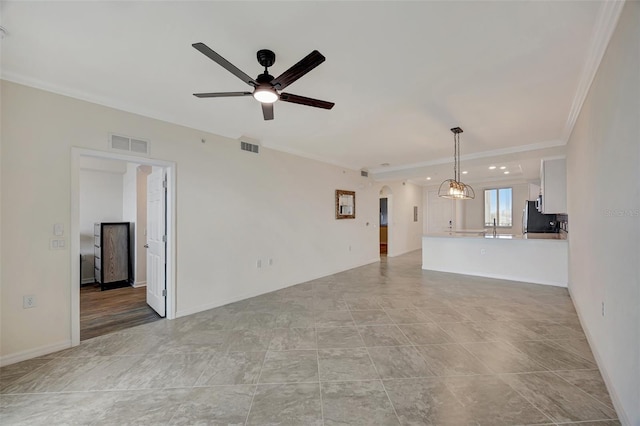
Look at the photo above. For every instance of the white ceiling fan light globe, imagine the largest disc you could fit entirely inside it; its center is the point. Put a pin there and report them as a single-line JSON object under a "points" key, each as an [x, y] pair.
{"points": [[266, 96]]}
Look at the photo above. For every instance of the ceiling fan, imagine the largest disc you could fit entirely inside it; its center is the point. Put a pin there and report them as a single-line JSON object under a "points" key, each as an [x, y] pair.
{"points": [[266, 88]]}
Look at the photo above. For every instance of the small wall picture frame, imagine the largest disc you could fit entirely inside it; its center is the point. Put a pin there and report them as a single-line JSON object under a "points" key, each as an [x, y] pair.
{"points": [[345, 204]]}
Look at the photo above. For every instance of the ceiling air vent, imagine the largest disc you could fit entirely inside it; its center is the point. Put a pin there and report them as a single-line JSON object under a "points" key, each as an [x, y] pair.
{"points": [[246, 146], [131, 145], [364, 173]]}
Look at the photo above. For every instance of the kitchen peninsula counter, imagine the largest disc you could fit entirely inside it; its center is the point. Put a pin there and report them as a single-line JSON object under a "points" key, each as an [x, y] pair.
{"points": [[533, 258]]}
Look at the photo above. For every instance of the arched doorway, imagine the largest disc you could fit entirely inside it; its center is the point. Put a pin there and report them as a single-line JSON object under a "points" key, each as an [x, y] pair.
{"points": [[385, 223]]}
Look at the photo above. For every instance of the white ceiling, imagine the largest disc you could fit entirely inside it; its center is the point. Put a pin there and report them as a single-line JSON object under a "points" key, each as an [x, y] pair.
{"points": [[401, 73]]}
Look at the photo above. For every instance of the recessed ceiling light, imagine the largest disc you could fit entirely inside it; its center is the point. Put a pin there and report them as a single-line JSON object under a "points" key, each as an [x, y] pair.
{"points": [[428, 178], [507, 172], [492, 167], [503, 167], [465, 172]]}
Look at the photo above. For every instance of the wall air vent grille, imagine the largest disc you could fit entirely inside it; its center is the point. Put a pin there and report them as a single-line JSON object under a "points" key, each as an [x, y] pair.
{"points": [[131, 145], [246, 146]]}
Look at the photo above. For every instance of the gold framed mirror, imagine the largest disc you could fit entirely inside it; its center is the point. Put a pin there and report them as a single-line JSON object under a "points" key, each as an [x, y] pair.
{"points": [[345, 204]]}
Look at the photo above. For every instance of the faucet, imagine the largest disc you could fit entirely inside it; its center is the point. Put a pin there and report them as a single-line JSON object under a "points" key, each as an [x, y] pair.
{"points": [[495, 231]]}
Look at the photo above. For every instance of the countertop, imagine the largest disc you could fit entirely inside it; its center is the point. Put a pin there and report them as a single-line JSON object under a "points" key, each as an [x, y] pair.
{"points": [[489, 236]]}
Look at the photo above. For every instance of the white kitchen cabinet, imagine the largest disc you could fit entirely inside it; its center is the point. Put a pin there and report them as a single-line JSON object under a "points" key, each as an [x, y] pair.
{"points": [[553, 182]]}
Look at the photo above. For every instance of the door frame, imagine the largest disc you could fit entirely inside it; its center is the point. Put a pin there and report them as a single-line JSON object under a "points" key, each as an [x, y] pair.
{"points": [[170, 207]]}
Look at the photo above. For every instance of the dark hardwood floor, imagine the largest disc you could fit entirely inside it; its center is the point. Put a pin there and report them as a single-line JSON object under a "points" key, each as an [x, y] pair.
{"points": [[383, 248], [103, 312]]}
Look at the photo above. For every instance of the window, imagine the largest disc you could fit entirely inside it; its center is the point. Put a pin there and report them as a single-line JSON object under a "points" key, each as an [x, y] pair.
{"points": [[497, 205]]}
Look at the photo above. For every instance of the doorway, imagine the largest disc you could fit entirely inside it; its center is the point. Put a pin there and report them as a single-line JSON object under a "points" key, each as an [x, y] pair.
{"points": [[386, 220], [384, 226], [127, 304]]}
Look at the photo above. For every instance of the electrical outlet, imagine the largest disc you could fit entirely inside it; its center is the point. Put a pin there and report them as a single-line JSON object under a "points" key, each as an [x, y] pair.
{"points": [[29, 301], [259, 263], [483, 251]]}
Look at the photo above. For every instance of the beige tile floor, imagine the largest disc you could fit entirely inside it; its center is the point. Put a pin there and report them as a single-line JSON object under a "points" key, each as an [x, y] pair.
{"points": [[382, 344]]}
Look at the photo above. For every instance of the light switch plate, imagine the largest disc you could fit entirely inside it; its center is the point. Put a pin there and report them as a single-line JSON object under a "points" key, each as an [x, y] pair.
{"points": [[57, 244], [58, 229]]}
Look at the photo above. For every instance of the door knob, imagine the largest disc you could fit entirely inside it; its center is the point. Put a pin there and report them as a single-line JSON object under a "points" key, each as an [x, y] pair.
{"points": [[146, 246]]}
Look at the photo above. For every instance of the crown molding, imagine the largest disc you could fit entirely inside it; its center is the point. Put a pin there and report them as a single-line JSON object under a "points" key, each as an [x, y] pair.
{"points": [[473, 156], [606, 23]]}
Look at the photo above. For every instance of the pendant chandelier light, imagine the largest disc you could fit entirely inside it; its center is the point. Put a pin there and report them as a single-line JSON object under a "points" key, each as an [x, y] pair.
{"points": [[455, 188]]}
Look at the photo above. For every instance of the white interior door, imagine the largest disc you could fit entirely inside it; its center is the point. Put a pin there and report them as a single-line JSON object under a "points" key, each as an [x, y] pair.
{"points": [[156, 240], [439, 212]]}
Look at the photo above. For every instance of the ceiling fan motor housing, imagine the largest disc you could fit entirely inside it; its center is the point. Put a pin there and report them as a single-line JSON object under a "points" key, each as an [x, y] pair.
{"points": [[264, 78], [266, 57]]}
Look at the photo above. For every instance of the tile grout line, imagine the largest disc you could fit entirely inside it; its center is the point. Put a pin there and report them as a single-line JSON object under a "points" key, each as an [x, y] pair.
{"points": [[527, 399], [315, 332], [255, 391], [555, 372], [379, 376]]}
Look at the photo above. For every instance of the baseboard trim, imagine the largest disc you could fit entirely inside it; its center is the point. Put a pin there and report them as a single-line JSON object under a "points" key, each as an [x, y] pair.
{"points": [[87, 281], [394, 254], [139, 284], [524, 280], [33, 353], [217, 304], [622, 415]]}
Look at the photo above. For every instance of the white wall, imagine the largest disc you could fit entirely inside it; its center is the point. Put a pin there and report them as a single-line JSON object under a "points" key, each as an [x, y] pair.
{"points": [[603, 185], [233, 208], [507, 259], [130, 208], [100, 201], [141, 226], [405, 235]]}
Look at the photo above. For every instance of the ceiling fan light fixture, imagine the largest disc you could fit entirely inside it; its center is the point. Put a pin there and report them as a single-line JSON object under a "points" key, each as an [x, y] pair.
{"points": [[266, 95], [455, 188]]}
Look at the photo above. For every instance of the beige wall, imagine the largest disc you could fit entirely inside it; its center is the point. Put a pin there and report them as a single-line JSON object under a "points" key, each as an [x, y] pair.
{"points": [[233, 208], [603, 183]]}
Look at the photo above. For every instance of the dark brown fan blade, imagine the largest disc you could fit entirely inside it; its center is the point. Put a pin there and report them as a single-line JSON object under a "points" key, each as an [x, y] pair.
{"points": [[307, 63], [221, 94], [267, 111], [224, 63], [296, 99]]}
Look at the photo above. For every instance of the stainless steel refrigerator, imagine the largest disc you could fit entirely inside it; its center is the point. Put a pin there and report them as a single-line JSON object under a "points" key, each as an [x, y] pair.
{"points": [[534, 221]]}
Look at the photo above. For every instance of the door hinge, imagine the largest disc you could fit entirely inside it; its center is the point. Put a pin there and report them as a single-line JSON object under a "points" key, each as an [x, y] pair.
{"points": [[164, 292], [164, 184], [164, 238]]}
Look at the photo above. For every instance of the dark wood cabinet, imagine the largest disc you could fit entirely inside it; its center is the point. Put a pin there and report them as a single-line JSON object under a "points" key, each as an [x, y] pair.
{"points": [[112, 253]]}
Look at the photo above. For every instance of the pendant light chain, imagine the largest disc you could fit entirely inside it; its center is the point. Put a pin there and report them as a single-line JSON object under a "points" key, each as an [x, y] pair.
{"points": [[456, 144]]}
